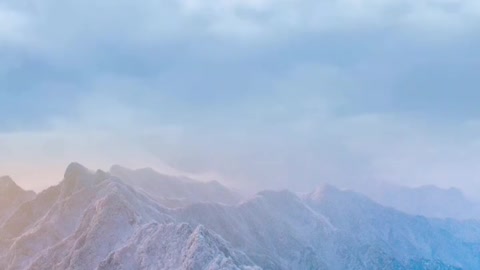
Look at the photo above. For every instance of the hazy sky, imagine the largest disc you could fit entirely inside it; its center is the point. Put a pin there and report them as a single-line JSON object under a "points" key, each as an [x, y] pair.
{"points": [[262, 93]]}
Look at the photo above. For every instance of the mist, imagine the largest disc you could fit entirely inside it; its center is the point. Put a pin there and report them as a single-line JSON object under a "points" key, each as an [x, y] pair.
{"points": [[257, 99], [239, 134]]}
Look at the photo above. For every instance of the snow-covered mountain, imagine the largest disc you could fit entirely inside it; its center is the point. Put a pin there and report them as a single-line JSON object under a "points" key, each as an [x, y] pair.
{"points": [[174, 190], [11, 197], [408, 239], [332, 229], [430, 201], [94, 220], [87, 220]]}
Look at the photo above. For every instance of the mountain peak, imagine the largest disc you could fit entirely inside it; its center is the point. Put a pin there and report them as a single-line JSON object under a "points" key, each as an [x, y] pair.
{"points": [[322, 191], [74, 170], [7, 185], [77, 177], [6, 181], [10, 192], [118, 169]]}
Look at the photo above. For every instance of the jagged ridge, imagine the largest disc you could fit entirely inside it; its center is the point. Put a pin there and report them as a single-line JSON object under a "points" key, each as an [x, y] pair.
{"points": [[93, 220]]}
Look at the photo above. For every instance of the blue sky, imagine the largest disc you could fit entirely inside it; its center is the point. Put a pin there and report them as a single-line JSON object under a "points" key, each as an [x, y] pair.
{"points": [[260, 93]]}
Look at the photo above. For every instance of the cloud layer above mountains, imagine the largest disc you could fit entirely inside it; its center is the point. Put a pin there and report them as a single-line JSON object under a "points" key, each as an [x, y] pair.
{"points": [[263, 93]]}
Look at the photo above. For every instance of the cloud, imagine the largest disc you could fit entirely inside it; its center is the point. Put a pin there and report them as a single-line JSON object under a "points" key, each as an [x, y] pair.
{"points": [[292, 132], [13, 26], [265, 17], [86, 24], [100, 130], [266, 93]]}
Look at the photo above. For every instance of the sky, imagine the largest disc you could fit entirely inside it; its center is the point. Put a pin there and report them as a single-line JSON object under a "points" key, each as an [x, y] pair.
{"points": [[256, 93]]}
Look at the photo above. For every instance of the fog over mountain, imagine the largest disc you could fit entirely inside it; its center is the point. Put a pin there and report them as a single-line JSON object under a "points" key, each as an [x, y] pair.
{"points": [[428, 201], [250, 134], [264, 94], [109, 220], [175, 189]]}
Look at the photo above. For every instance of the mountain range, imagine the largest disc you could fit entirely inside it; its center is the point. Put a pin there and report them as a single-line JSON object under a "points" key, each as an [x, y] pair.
{"points": [[428, 200], [142, 219]]}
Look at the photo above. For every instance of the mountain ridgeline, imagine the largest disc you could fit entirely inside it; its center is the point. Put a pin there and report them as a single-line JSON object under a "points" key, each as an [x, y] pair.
{"points": [[141, 219]]}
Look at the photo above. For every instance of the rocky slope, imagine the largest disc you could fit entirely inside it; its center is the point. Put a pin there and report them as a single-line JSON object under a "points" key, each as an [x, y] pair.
{"points": [[93, 220], [175, 191], [90, 218], [11, 197]]}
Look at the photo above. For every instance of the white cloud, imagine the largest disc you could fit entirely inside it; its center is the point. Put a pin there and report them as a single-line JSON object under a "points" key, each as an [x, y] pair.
{"points": [[13, 27], [77, 23], [269, 17], [38, 159], [290, 137], [293, 131]]}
